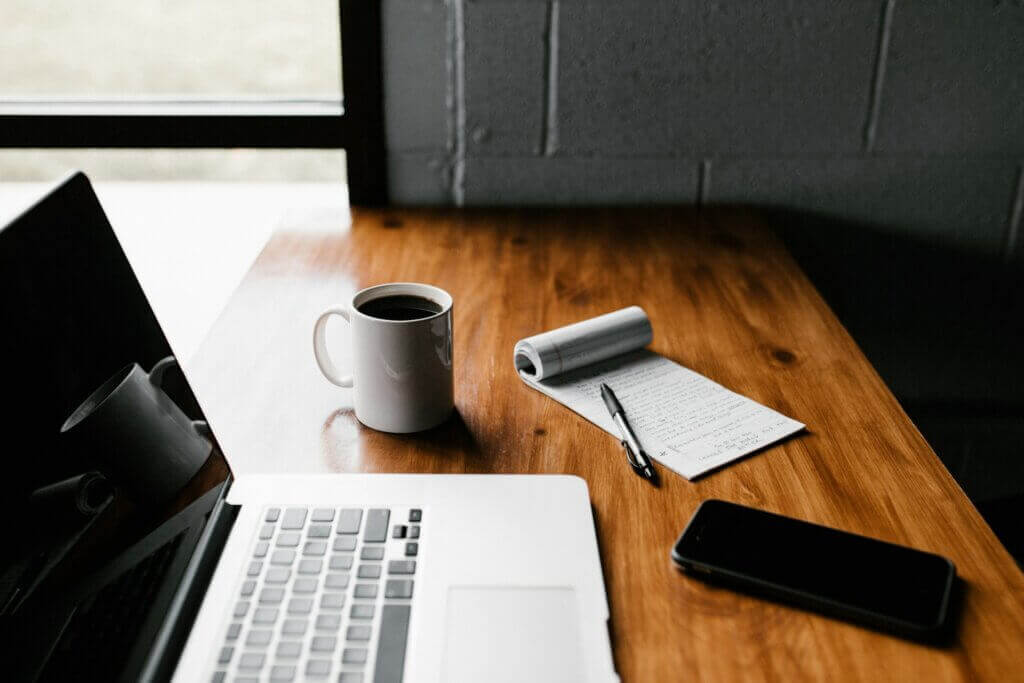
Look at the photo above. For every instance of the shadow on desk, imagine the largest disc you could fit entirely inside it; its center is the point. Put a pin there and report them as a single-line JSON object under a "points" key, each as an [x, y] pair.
{"points": [[944, 327], [450, 447]]}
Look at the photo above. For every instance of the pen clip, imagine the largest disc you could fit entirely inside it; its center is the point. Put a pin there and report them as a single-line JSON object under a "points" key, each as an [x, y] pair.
{"points": [[633, 462]]}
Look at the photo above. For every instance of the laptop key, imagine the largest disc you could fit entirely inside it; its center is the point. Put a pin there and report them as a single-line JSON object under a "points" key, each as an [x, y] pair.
{"points": [[271, 596], [317, 668], [255, 567], [221, 676], [402, 567], [323, 644], [248, 587], [310, 566], [369, 571], [241, 608], [414, 531], [319, 531], [349, 521], [251, 660], [366, 590], [288, 649], [272, 514], [344, 544], [294, 627], [332, 601], [225, 655], [287, 539], [394, 631], [343, 561], [282, 557], [234, 630], [266, 532], [399, 531], [314, 548], [357, 633], [259, 637], [304, 585], [398, 588], [376, 525], [278, 575], [353, 655], [281, 673], [372, 552], [261, 550], [265, 615], [362, 611], [412, 549], [351, 677], [336, 581], [300, 605], [328, 622], [323, 515], [294, 518], [415, 515]]}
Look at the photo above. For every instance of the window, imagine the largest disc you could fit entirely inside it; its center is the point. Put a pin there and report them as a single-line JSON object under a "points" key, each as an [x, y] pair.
{"points": [[196, 74], [161, 164], [185, 48]]}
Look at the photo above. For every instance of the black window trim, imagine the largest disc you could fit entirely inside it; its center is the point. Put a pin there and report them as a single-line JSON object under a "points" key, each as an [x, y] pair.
{"points": [[355, 126]]}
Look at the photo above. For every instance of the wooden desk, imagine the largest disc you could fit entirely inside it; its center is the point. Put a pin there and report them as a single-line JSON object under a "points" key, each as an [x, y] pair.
{"points": [[725, 299]]}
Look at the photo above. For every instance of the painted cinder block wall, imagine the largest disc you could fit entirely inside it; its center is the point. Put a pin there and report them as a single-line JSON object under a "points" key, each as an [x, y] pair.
{"points": [[902, 114]]}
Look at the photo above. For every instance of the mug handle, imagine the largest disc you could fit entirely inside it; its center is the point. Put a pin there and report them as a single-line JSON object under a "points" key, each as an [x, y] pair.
{"points": [[323, 357], [156, 375], [156, 378]]}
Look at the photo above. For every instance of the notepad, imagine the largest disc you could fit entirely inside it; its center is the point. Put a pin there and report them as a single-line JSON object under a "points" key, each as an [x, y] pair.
{"points": [[684, 420]]}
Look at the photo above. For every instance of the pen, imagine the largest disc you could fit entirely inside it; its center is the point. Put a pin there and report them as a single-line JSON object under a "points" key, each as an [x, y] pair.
{"points": [[638, 460]]}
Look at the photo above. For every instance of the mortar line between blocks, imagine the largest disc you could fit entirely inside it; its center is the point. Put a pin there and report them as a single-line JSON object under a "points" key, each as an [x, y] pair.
{"points": [[878, 81], [459, 96], [703, 182], [549, 130], [1016, 209]]}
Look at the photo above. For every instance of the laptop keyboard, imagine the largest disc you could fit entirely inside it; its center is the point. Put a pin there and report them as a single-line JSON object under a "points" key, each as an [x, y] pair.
{"points": [[326, 595]]}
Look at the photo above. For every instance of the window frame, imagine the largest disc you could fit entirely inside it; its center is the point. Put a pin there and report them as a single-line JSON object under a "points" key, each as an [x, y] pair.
{"points": [[355, 124]]}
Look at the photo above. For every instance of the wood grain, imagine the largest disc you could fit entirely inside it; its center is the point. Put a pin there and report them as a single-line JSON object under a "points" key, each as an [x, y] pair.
{"points": [[725, 299]]}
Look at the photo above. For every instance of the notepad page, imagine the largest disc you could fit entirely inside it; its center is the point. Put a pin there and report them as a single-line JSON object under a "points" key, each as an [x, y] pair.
{"points": [[684, 420]]}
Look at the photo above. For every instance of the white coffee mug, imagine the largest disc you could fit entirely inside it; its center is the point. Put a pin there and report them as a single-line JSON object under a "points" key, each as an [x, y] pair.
{"points": [[402, 369]]}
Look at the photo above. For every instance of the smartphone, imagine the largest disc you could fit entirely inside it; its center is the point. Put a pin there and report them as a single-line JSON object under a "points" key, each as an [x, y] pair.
{"points": [[881, 585]]}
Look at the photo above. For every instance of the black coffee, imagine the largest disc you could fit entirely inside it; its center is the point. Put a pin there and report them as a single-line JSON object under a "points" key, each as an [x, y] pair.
{"points": [[400, 307]]}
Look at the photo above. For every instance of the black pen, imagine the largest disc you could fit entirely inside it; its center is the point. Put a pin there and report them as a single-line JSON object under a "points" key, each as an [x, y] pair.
{"points": [[638, 460]]}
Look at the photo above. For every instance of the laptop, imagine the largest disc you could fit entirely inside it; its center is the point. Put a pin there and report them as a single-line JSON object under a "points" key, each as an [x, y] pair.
{"points": [[340, 577]]}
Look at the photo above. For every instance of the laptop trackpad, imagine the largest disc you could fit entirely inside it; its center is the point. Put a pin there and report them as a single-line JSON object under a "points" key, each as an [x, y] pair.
{"points": [[512, 634]]}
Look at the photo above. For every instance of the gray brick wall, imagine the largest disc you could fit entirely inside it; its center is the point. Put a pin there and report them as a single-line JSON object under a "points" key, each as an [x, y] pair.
{"points": [[903, 114]]}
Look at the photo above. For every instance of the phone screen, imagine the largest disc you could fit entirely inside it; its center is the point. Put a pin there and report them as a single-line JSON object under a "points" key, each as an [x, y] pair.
{"points": [[806, 560]]}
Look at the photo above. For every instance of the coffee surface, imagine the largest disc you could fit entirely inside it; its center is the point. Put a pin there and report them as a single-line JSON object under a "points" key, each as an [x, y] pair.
{"points": [[400, 307]]}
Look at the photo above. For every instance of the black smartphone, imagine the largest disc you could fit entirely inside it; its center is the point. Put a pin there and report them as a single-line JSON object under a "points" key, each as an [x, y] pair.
{"points": [[882, 585]]}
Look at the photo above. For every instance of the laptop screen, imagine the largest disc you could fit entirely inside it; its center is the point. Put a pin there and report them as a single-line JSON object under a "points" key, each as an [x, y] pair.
{"points": [[103, 438]]}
